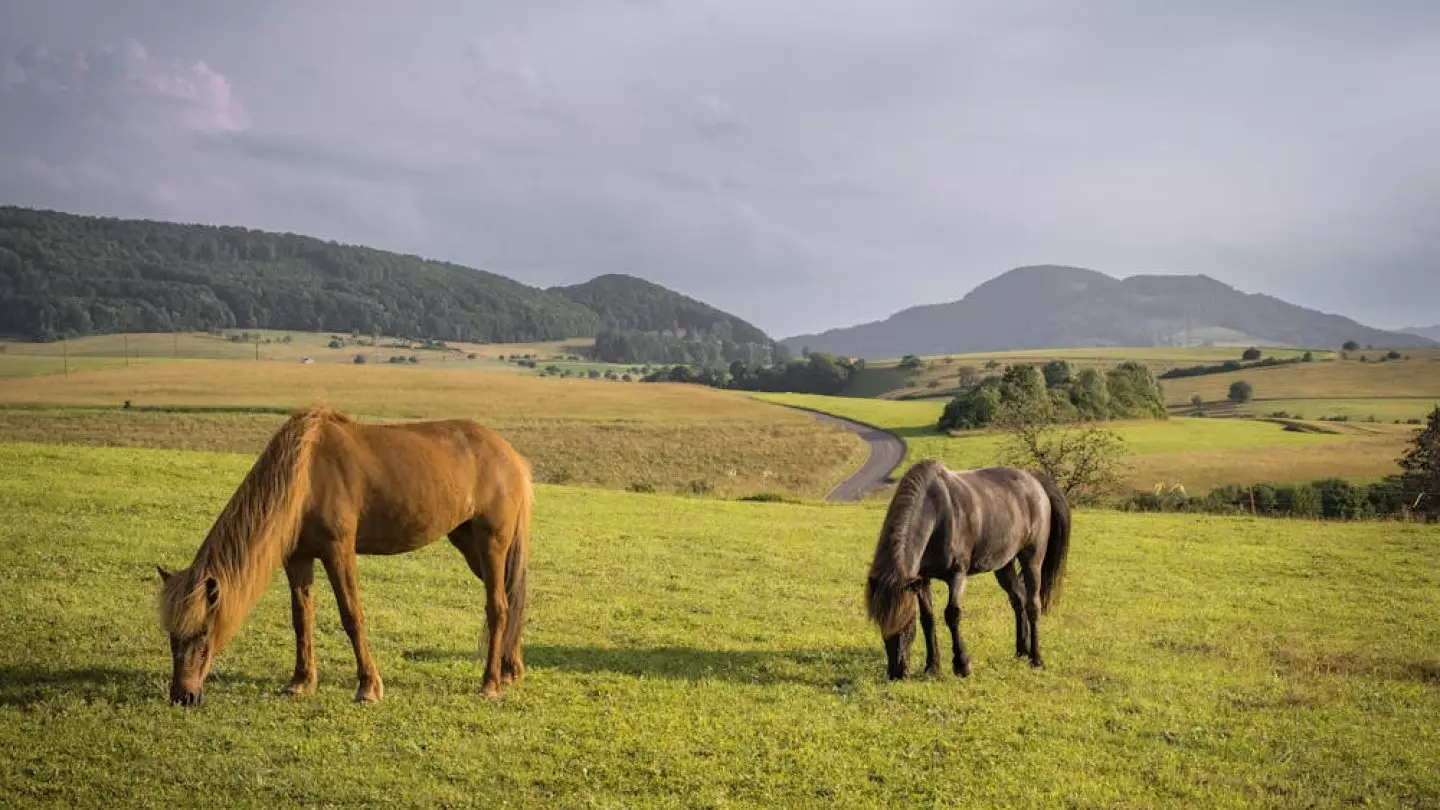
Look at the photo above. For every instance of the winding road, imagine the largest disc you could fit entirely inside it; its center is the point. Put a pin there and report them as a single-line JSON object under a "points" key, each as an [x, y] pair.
{"points": [[887, 451]]}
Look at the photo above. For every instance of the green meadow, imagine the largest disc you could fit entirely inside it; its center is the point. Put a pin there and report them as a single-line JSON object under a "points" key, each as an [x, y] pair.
{"points": [[689, 652]]}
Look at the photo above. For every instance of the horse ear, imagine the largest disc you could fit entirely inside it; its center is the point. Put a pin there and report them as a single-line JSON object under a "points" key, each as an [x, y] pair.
{"points": [[212, 591], [164, 575]]}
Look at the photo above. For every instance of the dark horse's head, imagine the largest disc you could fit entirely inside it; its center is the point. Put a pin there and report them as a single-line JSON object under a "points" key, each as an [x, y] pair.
{"points": [[890, 589], [190, 612]]}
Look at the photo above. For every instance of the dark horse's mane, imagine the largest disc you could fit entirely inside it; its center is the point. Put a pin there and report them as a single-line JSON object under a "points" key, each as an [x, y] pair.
{"points": [[889, 584]]}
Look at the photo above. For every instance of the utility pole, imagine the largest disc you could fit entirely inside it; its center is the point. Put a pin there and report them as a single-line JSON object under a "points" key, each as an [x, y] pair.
{"points": [[257, 350], [176, 338], [126, 338], [65, 353]]}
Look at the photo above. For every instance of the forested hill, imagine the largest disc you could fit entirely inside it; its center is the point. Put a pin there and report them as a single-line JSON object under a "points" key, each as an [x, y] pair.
{"points": [[627, 303], [65, 274]]}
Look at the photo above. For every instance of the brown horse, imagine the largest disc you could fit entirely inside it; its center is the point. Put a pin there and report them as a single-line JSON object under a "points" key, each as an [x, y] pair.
{"points": [[945, 524], [328, 488]]}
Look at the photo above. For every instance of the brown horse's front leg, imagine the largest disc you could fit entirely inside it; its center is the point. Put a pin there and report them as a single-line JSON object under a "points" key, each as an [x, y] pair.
{"points": [[344, 579], [301, 574]]}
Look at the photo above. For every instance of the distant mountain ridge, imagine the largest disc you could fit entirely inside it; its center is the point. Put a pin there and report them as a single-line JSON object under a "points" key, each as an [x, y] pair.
{"points": [[67, 274], [1055, 306], [1427, 332]]}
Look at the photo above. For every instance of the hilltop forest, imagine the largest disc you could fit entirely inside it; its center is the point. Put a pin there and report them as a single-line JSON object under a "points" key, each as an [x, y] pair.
{"points": [[64, 275]]}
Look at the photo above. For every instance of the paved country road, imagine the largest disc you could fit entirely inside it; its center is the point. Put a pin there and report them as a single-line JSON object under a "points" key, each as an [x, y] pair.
{"points": [[886, 452]]}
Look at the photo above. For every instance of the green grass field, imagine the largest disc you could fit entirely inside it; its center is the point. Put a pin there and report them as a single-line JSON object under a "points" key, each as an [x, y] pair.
{"points": [[1198, 453], [695, 653]]}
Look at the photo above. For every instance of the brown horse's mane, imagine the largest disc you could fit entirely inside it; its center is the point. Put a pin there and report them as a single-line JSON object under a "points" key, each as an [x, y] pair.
{"points": [[252, 535], [888, 587]]}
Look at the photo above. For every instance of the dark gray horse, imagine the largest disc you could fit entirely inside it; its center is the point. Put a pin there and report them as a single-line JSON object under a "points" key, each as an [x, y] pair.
{"points": [[946, 524]]}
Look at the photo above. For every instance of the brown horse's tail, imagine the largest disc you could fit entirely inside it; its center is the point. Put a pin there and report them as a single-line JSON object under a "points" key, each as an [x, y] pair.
{"points": [[517, 563], [894, 572], [1052, 568]]}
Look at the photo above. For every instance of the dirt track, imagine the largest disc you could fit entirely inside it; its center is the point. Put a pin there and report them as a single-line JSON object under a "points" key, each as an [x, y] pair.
{"points": [[886, 452]]}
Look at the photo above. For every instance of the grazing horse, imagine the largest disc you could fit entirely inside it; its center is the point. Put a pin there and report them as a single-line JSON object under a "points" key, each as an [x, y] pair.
{"points": [[327, 488], [946, 524]]}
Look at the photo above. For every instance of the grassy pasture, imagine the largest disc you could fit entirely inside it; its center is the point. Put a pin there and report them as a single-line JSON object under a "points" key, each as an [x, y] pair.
{"points": [[1198, 453], [608, 434], [940, 372], [1416, 378], [698, 653]]}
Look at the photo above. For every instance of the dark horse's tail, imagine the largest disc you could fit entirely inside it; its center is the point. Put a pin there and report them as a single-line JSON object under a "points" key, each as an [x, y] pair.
{"points": [[889, 591], [1052, 569], [516, 564]]}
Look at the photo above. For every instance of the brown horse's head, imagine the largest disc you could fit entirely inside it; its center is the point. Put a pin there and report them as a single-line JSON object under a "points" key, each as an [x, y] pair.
{"points": [[190, 612]]}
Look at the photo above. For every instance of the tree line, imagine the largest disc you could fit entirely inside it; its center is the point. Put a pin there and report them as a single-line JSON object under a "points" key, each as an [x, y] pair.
{"points": [[1058, 393], [816, 373]]}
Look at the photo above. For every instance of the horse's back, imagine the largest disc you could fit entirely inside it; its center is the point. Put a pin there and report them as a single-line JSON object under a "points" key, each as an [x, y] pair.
{"points": [[405, 484], [1005, 510]]}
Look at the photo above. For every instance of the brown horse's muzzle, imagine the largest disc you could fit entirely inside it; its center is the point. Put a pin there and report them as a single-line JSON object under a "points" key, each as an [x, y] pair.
{"points": [[187, 697]]}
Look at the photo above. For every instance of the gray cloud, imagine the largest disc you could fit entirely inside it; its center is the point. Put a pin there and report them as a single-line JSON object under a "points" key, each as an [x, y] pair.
{"points": [[806, 165]]}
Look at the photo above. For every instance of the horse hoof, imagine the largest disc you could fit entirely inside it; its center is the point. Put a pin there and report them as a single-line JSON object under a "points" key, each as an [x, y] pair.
{"points": [[1036, 663], [370, 693], [962, 669], [492, 692], [298, 688]]}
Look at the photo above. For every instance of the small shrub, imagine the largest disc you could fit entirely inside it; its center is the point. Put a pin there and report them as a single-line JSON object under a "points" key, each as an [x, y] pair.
{"points": [[361, 359], [1249, 354]]}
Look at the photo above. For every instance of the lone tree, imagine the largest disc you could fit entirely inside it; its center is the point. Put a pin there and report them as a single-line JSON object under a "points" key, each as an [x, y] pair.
{"points": [[1350, 346], [1251, 353], [1198, 403], [1240, 392], [1421, 469], [1086, 461]]}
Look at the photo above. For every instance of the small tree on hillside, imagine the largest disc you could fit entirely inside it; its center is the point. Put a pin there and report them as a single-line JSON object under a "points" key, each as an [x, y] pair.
{"points": [[1058, 373], [1421, 466], [1249, 354], [1198, 403], [1350, 346], [1240, 392], [1086, 461]]}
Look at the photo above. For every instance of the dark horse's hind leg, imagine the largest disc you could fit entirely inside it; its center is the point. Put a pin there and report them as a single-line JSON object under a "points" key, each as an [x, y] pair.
{"points": [[927, 623], [952, 620], [1030, 569], [1010, 581]]}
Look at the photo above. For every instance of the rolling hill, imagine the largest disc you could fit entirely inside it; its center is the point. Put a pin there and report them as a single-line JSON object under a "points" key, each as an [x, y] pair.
{"points": [[1048, 306], [634, 304], [69, 275]]}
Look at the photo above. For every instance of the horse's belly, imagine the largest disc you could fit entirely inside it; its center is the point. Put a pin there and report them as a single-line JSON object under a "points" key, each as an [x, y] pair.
{"points": [[989, 561]]}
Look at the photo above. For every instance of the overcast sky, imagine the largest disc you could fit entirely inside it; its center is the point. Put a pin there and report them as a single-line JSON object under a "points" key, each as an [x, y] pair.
{"points": [[802, 164]]}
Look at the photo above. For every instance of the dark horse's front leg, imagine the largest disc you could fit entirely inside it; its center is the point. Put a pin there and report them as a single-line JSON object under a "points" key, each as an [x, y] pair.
{"points": [[301, 574], [1010, 581], [952, 620], [927, 624]]}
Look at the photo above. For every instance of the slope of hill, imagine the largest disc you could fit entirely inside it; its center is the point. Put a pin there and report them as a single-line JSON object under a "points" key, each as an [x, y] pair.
{"points": [[67, 274], [1051, 306], [629, 303], [1427, 332]]}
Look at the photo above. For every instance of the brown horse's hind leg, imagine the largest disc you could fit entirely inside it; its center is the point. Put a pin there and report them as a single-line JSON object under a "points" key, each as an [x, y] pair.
{"points": [[486, 557], [1030, 568], [345, 581], [927, 623], [952, 620], [1010, 582], [301, 574]]}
